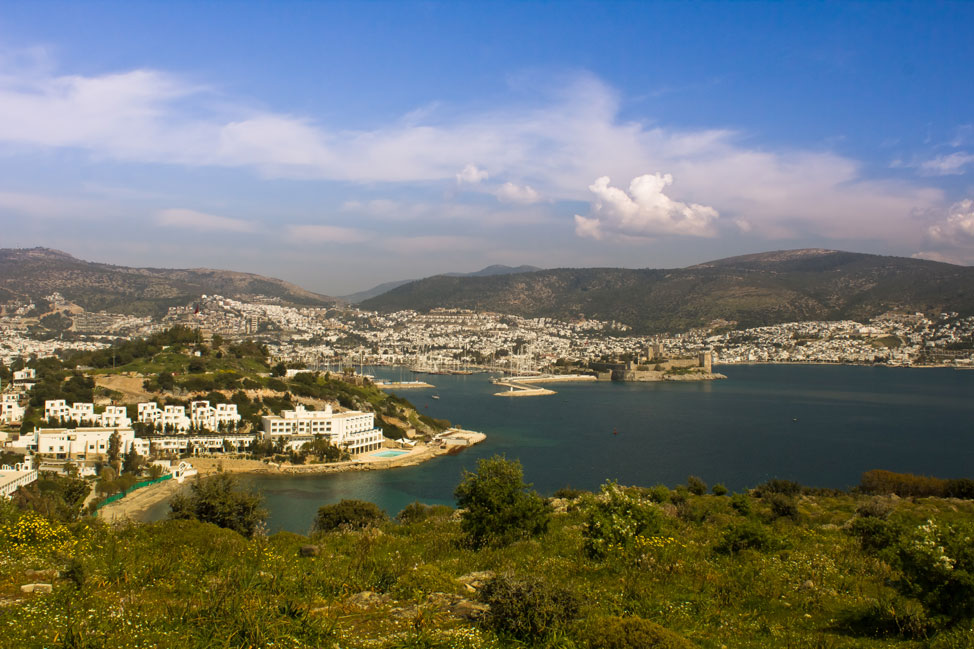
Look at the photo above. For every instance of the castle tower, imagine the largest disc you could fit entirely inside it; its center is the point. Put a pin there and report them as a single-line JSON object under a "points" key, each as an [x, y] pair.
{"points": [[706, 360]]}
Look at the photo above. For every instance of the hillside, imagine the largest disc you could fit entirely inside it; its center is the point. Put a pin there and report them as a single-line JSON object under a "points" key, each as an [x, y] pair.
{"points": [[489, 271], [38, 272], [752, 290]]}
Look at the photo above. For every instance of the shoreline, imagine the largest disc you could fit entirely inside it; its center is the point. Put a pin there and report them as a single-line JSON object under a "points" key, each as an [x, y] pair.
{"points": [[136, 504]]}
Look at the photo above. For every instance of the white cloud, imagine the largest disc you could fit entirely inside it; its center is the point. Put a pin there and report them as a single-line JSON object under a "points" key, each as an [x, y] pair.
{"points": [[523, 195], [472, 175], [193, 220], [958, 227], [560, 143], [645, 211], [947, 165], [326, 234]]}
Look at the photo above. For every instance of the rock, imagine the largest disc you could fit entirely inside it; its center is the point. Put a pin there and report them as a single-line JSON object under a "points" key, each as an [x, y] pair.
{"points": [[49, 574], [474, 581], [368, 599], [807, 585], [309, 551], [36, 588], [469, 610]]}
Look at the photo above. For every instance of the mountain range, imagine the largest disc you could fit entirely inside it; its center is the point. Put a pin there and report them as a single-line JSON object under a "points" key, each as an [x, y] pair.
{"points": [[31, 274], [495, 269], [751, 290]]}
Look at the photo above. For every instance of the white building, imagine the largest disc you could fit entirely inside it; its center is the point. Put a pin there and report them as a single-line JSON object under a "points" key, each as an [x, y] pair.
{"points": [[183, 444], [66, 443], [352, 430], [25, 378], [84, 413], [16, 476], [206, 417], [10, 409], [167, 418]]}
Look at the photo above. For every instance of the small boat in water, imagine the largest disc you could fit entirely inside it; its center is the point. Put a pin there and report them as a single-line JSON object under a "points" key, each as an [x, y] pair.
{"points": [[436, 396]]}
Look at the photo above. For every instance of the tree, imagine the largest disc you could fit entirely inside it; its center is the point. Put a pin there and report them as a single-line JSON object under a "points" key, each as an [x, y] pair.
{"points": [[279, 370], [114, 449], [499, 507], [216, 499], [348, 514], [132, 461]]}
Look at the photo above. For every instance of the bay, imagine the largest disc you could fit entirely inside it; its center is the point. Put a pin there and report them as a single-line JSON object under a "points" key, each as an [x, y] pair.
{"points": [[819, 425]]}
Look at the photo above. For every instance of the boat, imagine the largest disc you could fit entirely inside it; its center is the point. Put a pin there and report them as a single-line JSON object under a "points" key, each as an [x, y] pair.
{"points": [[435, 396]]}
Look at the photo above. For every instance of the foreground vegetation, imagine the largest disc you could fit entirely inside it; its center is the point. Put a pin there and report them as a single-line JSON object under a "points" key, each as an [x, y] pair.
{"points": [[780, 566]]}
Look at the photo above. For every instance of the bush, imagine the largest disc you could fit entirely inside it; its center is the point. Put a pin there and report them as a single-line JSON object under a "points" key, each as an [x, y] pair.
{"points": [[696, 486], [348, 514], [937, 565], [616, 518], [719, 490], [875, 508], [778, 486], [901, 484], [741, 504], [568, 493], [527, 609], [888, 618], [874, 534], [746, 536], [499, 509], [659, 494], [417, 512], [783, 506], [631, 633], [217, 500]]}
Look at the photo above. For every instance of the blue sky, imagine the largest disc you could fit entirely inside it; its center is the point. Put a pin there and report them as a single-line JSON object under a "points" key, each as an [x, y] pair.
{"points": [[341, 145]]}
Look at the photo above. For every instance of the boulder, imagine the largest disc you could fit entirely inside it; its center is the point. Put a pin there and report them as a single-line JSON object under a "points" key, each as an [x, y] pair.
{"points": [[36, 588], [309, 551]]}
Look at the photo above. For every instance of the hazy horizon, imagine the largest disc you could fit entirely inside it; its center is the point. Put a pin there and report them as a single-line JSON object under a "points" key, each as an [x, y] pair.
{"points": [[343, 145]]}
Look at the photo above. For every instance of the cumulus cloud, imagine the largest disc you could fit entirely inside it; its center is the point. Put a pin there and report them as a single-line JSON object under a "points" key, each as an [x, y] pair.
{"points": [[326, 234], [193, 220], [472, 175], [561, 142], [521, 194], [947, 165], [958, 227], [644, 211]]}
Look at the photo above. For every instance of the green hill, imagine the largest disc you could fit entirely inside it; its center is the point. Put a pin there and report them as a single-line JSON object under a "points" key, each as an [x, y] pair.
{"points": [[34, 273], [752, 290]]}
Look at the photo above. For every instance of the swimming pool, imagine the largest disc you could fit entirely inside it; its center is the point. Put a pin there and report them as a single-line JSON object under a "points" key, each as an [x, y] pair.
{"points": [[389, 453]]}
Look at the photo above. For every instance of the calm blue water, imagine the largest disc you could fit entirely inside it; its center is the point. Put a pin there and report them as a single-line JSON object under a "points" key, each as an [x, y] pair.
{"points": [[819, 425]]}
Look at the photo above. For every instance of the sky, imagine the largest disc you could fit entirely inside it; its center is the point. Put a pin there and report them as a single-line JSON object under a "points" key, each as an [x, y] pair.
{"points": [[340, 145]]}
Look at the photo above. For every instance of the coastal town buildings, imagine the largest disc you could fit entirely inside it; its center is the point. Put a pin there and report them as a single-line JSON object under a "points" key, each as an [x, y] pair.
{"points": [[79, 443], [12, 477], [351, 430], [11, 412], [84, 413]]}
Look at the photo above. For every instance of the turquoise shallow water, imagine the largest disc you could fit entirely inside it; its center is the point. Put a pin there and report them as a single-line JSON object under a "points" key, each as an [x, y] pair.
{"points": [[820, 425]]}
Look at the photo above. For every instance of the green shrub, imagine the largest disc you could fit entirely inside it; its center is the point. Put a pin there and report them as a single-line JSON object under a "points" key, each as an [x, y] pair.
{"points": [[348, 514], [875, 508], [874, 534], [528, 608], [783, 506], [719, 490], [499, 509], [937, 565], [901, 484], [417, 512], [630, 633], [216, 499], [778, 486], [887, 618], [750, 535], [696, 486], [422, 580], [741, 504], [568, 493], [616, 518], [659, 493]]}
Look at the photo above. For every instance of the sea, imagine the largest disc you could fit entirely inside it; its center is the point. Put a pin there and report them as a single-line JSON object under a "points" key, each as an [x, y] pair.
{"points": [[820, 425]]}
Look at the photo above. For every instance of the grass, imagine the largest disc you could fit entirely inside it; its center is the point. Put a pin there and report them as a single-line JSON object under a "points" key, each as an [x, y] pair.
{"points": [[189, 584]]}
